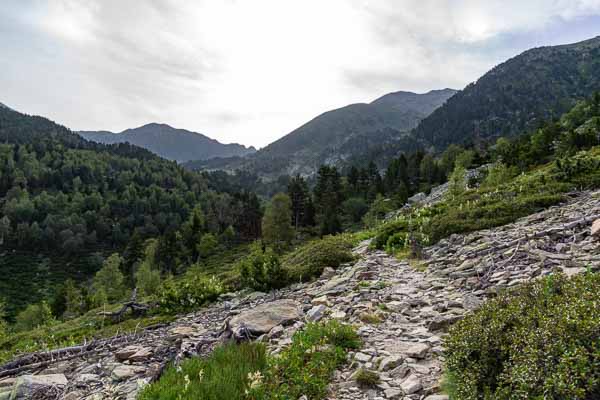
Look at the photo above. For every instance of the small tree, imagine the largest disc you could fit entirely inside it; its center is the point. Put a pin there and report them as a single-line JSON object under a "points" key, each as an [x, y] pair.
{"points": [[207, 245], [277, 223], [33, 316], [108, 284], [74, 302], [3, 323], [147, 279], [457, 181]]}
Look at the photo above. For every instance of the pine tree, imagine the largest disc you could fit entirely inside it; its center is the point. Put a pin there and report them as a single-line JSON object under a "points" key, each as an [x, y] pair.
{"points": [[299, 196], [277, 222]]}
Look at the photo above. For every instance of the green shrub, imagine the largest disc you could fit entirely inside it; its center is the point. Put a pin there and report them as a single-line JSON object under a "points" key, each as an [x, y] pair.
{"points": [[33, 316], [539, 342], [306, 367], [224, 375], [366, 378], [262, 270], [309, 260], [188, 293], [147, 279]]}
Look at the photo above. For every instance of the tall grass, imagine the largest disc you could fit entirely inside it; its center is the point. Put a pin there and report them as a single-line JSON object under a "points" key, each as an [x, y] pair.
{"points": [[222, 376]]}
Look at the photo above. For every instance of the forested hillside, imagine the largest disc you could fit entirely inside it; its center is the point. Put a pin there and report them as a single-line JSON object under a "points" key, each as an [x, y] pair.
{"points": [[516, 96], [66, 201]]}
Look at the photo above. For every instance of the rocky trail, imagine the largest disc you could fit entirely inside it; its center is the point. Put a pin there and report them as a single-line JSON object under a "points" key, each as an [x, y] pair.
{"points": [[401, 309]]}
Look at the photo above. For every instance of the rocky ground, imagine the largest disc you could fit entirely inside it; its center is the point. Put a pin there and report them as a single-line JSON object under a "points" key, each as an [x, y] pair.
{"points": [[401, 309]]}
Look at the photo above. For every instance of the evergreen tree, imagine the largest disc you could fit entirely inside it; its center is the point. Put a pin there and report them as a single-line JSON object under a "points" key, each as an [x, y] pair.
{"points": [[277, 222], [299, 196], [328, 200]]}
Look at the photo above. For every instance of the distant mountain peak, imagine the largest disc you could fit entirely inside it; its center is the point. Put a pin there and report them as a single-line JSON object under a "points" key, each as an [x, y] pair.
{"points": [[172, 143]]}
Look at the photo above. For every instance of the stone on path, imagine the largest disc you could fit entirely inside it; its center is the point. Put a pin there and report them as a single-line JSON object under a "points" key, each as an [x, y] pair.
{"points": [[262, 318], [316, 313], [411, 385], [29, 386], [417, 350]]}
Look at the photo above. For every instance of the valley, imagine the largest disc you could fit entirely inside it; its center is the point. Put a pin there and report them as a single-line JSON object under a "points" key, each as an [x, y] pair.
{"points": [[442, 245]]}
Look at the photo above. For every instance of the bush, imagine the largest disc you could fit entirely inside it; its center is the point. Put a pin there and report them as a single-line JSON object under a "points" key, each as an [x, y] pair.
{"points": [[188, 294], [262, 270], [306, 367], [33, 316], [147, 279], [366, 378], [224, 375], [109, 282], [309, 260], [540, 342]]}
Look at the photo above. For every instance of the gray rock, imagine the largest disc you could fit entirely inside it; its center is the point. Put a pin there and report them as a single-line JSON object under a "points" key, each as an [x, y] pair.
{"points": [[261, 319], [411, 385], [392, 393], [29, 386], [417, 350], [437, 397], [390, 362], [316, 313]]}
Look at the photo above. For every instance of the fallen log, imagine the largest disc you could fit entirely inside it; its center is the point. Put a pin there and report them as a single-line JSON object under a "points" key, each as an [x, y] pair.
{"points": [[137, 309]]}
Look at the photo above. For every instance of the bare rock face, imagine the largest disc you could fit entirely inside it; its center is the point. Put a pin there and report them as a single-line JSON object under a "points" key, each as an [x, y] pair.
{"points": [[261, 319]]}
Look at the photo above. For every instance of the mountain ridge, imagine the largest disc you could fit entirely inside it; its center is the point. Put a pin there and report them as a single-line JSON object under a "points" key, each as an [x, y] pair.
{"points": [[328, 138], [172, 143]]}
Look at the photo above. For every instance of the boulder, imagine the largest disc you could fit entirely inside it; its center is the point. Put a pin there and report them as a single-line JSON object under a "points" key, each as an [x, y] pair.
{"points": [[30, 386], [262, 318]]}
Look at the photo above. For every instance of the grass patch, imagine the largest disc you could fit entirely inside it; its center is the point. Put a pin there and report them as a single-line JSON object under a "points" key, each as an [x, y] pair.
{"points": [[227, 374], [539, 342], [370, 318], [246, 372], [366, 378]]}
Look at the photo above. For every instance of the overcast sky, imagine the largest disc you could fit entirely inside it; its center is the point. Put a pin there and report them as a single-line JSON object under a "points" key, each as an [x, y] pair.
{"points": [[250, 71]]}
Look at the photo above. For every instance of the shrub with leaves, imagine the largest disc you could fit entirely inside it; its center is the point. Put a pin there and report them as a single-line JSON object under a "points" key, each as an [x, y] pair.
{"points": [[262, 270], [33, 316], [310, 259], [188, 293], [539, 342], [306, 367]]}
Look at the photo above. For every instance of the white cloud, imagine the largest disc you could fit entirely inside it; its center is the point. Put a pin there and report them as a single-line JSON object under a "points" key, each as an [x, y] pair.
{"points": [[251, 71]]}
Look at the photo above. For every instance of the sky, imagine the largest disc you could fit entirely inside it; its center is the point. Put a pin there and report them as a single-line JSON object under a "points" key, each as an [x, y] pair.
{"points": [[251, 71]]}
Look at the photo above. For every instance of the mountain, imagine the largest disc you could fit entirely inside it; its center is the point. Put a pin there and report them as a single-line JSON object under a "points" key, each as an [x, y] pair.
{"points": [[338, 135], [5, 106], [516, 96], [174, 144]]}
